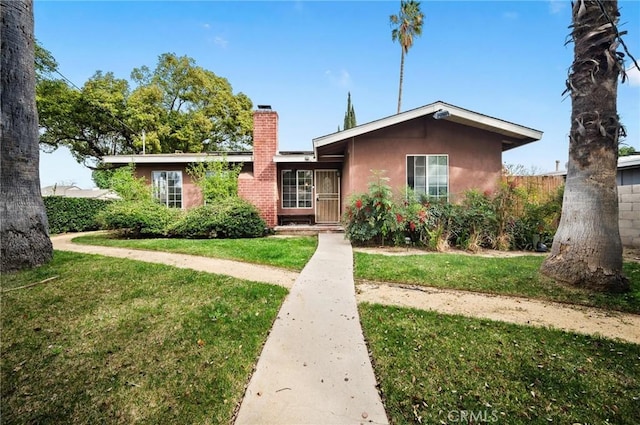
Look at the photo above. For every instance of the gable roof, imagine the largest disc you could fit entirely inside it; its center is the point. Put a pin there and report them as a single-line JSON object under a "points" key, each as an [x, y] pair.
{"points": [[518, 134]]}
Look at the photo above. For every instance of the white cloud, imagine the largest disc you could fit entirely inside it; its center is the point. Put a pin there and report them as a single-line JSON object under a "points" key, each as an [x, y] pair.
{"points": [[220, 42], [206, 26], [512, 16], [557, 6], [633, 74], [340, 79]]}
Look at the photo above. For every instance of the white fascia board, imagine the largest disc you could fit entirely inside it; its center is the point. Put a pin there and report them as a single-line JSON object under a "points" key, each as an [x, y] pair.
{"points": [[294, 158], [173, 158], [495, 124]]}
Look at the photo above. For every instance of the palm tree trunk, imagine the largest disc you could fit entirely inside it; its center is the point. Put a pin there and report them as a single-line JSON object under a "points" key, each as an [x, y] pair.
{"points": [[587, 250], [401, 78], [23, 221]]}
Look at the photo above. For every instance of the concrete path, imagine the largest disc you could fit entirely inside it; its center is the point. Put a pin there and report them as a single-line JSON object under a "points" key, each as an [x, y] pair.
{"points": [[314, 367]]}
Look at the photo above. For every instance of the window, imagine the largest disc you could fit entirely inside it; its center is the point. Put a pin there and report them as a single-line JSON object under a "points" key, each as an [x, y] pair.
{"points": [[429, 175], [297, 188], [167, 187]]}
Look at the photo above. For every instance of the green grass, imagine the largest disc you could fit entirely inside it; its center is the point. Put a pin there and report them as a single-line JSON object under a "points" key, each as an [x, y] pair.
{"points": [[434, 368], [290, 253], [119, 341], [516, 276]]}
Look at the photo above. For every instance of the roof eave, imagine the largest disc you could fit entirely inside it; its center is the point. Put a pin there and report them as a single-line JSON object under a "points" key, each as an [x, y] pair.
{"points": [[174, 158]]}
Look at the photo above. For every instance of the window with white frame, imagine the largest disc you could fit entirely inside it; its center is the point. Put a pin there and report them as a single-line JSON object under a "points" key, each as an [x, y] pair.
{"points": [[297, 188], [428, 175], [167, 187]]}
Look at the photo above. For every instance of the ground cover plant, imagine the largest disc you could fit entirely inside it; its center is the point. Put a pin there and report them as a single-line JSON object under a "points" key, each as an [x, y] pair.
{"points": [[118, 341], [290, 253], [438, 369], [516, 276]]}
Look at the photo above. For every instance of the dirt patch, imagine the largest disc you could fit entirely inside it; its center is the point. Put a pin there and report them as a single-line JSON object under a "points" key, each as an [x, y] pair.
{"points": [[524, 311], [506, 309], [629, 253]]}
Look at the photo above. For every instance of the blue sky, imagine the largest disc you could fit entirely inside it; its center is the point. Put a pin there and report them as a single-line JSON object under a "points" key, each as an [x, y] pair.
{"points": [[506, 59]]}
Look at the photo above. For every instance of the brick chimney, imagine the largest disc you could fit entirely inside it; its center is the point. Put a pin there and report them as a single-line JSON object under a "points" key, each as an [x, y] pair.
{"points": [[261, 189]]}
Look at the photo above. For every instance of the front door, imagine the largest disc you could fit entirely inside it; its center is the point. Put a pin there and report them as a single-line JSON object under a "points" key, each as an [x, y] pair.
{"points": [[327, 196]]}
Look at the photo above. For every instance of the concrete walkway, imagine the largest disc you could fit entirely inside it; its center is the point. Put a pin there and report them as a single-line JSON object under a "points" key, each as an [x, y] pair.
{"points": [[314, 367]]}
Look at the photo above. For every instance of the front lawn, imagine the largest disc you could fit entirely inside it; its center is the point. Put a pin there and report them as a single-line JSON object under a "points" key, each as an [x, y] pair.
{"points": [[290, 253], [118, 341], [437, 369], [516, 276]]}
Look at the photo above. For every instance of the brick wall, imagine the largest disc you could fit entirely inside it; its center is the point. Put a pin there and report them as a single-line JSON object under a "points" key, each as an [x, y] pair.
{"points": [[629, 214], [261, 187]]}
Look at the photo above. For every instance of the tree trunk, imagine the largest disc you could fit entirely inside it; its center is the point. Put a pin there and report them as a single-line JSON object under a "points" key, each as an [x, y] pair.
{"points": [[24, 236], [401, 78], [587, 250]]}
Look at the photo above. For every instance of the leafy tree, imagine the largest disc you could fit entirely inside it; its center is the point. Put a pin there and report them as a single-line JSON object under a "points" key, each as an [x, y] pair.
{"points": [[185, 105], [45, 63], [349, 115], [89, 121], [217, 180], [23, 218], [405, 26], [587, 250], [627, 150], [177, 106]]}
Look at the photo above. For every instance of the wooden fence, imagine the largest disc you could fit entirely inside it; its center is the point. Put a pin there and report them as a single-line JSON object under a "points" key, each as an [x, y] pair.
{"points": [[539, 189]]}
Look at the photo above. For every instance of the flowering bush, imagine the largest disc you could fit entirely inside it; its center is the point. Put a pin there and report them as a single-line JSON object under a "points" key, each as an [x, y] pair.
{"points": [[504, 219], [370, 218]]}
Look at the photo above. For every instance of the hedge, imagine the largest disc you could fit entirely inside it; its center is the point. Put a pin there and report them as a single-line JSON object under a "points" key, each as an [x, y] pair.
{"points": [[73, 214]]}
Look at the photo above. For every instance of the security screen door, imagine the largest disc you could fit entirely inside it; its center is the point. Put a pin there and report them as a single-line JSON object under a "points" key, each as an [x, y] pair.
{"points": [[327, 196]]}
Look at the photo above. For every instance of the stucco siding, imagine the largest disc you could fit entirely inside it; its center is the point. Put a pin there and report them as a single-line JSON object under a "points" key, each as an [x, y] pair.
{"points": [[475, 156]]}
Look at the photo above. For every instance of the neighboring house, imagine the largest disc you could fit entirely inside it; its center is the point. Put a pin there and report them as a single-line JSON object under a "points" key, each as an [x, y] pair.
{"points": [[628, 170], [76, 192], [439, 149]]}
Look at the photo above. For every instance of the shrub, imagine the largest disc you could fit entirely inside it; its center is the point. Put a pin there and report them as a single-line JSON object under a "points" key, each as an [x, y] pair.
{"points": [[124, 182], [229, 218], [373, 217], [537, 223], [138, 218], [217, 180], [73, 214], [509, 218]]}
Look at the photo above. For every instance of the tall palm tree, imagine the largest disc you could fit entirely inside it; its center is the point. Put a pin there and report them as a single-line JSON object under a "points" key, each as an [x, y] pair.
{"points": [[24, 233], [587, 250], [405, 26]]}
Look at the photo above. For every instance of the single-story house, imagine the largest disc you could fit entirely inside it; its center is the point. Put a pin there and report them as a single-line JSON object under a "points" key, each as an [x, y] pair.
{"points": [[439, 149]]}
